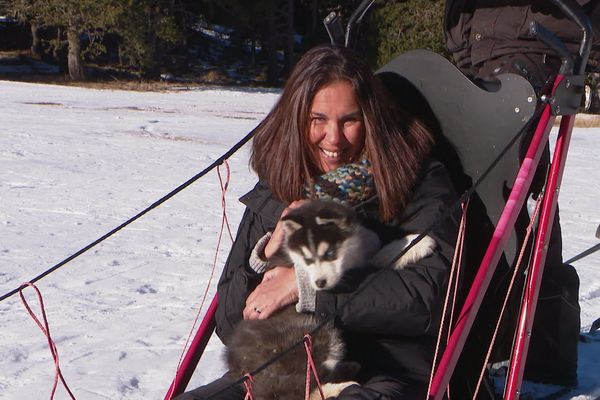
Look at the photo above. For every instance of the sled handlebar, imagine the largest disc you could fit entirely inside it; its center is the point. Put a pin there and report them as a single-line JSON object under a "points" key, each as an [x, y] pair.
{"points": [[334, 28], [539, 32], [356, 18], [574, 12]]}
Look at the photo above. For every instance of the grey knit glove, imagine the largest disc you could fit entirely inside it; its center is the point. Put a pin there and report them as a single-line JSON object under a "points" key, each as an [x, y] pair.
{"points": [[258, 262], [307, 295]]}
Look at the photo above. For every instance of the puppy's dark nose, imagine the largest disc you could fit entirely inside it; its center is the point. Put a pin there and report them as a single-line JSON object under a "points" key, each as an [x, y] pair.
{"points": [[321, 283]]}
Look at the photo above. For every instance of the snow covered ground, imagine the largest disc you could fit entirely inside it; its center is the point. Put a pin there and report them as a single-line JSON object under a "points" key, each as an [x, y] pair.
{"points": [[75, 163]]}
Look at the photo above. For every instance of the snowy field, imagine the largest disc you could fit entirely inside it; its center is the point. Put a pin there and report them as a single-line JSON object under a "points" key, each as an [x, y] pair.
{"points": [[75, 163]]}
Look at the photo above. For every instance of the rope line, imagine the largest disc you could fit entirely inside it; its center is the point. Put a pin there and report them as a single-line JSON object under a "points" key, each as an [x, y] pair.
{"points": [[460, 253], [45, 328], [157, 203], [310, 368], [224, 222], [248, 386], [224, 187], [508, 292], [452, 287]]}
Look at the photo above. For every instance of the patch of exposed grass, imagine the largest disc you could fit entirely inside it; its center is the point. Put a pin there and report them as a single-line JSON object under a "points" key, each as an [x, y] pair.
{"points": [[584, 121]]}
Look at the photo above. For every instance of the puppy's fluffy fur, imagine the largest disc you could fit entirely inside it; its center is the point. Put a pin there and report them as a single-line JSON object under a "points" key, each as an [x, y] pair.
{"points": [[325, 239], [256, 341]]}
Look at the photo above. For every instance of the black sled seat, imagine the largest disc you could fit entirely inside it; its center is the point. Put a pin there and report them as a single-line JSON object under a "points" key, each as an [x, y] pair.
{"points": [[473, 126]]}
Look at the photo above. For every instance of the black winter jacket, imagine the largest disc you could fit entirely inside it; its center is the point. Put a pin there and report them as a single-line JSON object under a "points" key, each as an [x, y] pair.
{"points": [[391, 325]]}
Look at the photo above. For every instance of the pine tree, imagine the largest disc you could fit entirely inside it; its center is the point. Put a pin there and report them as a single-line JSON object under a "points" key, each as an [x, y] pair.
{"points": [[146, 27], [23, 10], [401, 25], [77, 17]]}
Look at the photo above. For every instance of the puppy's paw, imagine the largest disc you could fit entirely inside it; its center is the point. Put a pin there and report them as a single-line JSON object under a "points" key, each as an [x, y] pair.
{"points": [[423, 248], [331, 390], [420, 250]]}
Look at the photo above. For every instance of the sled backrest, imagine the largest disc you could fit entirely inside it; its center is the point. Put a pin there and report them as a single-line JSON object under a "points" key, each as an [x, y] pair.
{"points": [[472, 127]]}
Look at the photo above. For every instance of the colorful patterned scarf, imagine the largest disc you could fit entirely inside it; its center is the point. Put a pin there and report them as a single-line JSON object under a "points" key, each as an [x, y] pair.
{"points": [[350, 184]]}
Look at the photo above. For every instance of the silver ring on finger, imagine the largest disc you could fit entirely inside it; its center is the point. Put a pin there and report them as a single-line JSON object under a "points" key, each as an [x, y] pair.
{"points": [[258, 310]]}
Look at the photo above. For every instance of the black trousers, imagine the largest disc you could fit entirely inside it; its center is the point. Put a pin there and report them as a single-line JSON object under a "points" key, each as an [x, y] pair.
{"points": [[377, 388]]}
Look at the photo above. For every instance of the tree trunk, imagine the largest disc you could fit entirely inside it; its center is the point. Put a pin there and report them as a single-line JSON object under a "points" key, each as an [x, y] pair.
{"points": [[152, 51], [289, 53], [76, 71], [36, 42], [314, 18], [59, 52], [271, 46]]}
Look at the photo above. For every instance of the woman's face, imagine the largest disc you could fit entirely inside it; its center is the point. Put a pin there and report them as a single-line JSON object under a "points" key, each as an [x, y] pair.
{"points": [[337, 129]]}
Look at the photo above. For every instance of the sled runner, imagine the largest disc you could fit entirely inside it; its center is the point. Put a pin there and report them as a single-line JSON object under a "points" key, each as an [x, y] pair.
{"points": [[474, 126]]}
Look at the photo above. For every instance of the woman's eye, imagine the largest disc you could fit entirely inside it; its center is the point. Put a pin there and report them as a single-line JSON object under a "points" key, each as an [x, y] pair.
{"points": [[351, 121]]}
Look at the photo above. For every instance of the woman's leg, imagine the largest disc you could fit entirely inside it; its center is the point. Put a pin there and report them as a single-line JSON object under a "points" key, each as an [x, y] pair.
{"points": [[221, 390], [385, 388]]}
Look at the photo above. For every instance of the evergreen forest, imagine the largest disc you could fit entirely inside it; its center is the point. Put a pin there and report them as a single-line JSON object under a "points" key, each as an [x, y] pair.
{"points": [[216, 41]]}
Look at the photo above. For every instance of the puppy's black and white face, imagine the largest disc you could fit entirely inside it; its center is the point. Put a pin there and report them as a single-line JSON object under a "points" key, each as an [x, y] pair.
{"points": [[317, 236]]}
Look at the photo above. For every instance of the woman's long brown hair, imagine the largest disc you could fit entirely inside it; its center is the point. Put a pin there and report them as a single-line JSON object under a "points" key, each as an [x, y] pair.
{"points": [[395, 143]]}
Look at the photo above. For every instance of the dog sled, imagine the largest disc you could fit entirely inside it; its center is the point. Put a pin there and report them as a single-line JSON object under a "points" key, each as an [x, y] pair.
{"points": [[482, 138]]}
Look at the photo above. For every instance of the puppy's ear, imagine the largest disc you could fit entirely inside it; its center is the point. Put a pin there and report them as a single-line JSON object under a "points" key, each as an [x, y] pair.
{"points": [[335, 213], [290, 224]]}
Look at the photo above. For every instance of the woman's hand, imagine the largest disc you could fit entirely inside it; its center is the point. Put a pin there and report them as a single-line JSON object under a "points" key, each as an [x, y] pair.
{"points": [[278, 287], [278, 237], [277, 290]]}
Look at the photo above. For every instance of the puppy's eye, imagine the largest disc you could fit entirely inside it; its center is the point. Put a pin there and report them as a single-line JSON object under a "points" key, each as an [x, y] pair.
{"points": [[329, 254], [309, 261]]}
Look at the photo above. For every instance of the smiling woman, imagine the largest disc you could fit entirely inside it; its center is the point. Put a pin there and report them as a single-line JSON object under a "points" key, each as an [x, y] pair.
{"points": [[287, 148], [334, 134]]}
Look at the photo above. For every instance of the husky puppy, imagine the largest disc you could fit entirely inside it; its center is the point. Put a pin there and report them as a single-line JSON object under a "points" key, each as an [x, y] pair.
{"points": [[326, 240]]}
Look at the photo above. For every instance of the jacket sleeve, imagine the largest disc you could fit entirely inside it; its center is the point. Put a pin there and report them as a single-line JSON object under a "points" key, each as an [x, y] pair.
{"points": [[403, 302], [238, 279]]}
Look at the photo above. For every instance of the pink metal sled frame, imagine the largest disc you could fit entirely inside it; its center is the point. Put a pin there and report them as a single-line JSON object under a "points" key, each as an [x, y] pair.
{"points": [[515, 202], [445, 368], [536, 270], [194, 352]]}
